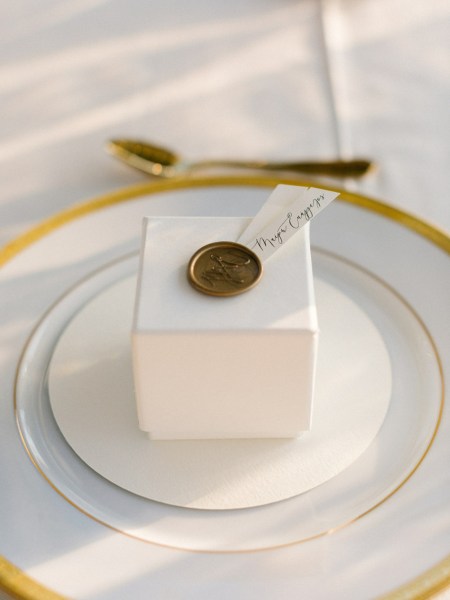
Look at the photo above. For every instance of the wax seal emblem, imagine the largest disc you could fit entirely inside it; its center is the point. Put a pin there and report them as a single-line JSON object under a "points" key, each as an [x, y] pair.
{"points": [[224, 269]]}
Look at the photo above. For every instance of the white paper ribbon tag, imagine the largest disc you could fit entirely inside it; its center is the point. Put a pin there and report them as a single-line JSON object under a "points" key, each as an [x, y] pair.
{"points": [[286, 211]]}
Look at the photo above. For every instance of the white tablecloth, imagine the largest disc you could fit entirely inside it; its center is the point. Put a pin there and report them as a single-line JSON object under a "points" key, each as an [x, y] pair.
{"points": [[256, 78], [278, 79]]}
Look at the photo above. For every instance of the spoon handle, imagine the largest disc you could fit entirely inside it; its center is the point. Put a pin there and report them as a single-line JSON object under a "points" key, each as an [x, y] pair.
{"points": [[335, 168]]}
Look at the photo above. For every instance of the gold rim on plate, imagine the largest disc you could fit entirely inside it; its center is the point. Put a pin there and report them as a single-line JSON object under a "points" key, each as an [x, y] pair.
{"points": [[17, 583]]}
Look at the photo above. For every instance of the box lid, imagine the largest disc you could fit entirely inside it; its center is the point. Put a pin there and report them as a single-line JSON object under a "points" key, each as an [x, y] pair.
{"points": [[165, 301]]}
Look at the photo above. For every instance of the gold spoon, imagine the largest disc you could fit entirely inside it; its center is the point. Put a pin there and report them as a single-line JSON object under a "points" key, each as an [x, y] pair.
{"points": [[161, 162]]}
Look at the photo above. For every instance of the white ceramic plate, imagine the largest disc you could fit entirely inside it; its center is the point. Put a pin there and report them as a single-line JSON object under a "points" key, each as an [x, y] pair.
{"points": [[398, 491], [90, 386]]}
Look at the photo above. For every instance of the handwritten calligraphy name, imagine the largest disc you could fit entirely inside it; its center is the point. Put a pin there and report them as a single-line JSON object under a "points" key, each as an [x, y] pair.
{"points": [[291, 222]]}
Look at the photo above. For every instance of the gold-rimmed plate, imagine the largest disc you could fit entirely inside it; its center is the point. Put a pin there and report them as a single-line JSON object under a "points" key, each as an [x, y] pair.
{"points": [[391, 246]]}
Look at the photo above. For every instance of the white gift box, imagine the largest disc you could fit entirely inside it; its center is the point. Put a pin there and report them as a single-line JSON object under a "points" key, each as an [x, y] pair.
{"points": [[210, 367]]}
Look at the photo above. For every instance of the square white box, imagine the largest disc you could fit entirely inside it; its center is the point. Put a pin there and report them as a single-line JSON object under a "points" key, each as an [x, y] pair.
{"points": [[211, 367]]}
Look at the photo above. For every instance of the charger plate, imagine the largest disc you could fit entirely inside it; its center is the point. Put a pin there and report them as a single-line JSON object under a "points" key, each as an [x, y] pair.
{"points": [[399, 537]]}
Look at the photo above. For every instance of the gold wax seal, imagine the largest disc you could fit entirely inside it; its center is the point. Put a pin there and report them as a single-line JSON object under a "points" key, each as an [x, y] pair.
{"points": [[224, 269]]}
